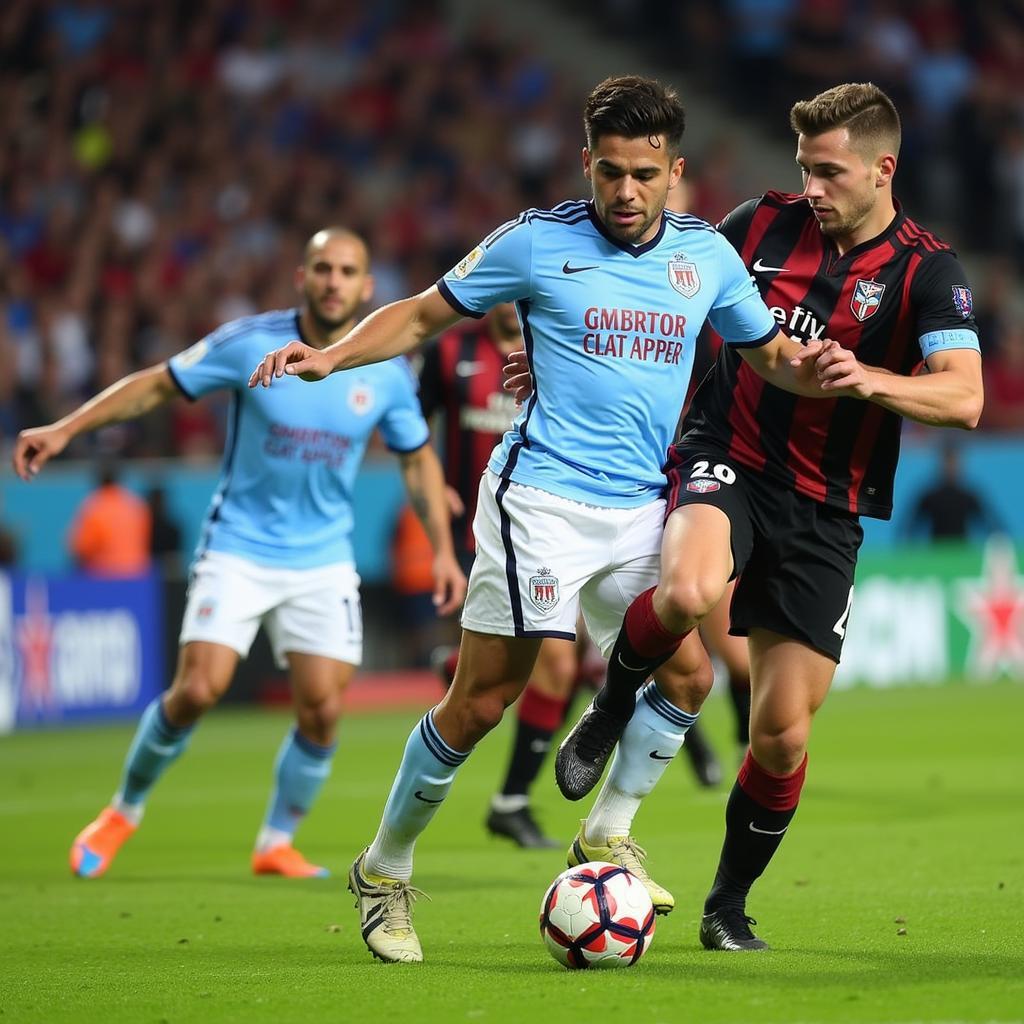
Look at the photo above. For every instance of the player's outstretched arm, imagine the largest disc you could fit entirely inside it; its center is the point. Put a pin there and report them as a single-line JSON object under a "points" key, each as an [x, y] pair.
{"points": [[424, 483], [390, 331], [128, 398], [950, 394]]}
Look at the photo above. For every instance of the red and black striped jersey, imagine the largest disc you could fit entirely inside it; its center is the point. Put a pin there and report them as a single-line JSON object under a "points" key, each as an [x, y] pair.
{"points": [[461, 378], [879, 299]]}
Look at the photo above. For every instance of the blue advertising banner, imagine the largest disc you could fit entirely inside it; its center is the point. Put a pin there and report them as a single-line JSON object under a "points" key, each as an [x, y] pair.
{"points": [[75, 648]]}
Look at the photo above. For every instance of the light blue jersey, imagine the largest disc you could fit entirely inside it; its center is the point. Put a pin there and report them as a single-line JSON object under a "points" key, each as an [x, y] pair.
{"points": [[293, 451], [610, 332]]}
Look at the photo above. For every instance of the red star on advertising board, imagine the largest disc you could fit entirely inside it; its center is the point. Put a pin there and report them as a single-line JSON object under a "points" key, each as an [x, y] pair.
{"points": [[35, 641], [993, 609]]}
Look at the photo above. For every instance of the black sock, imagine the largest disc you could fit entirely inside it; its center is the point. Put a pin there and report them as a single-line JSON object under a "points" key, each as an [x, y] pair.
{"points": [[530, 747], [745, 853], [627, 672], [753, 830], [739, 694]]}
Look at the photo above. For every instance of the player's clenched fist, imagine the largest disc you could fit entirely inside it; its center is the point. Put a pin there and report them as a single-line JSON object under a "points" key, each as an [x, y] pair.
{"points": [[34, 449], [839, 369], [296, 359]]}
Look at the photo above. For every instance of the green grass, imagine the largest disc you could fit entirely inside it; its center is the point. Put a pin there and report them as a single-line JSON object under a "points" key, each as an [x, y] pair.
{"points": [[913, 812]]}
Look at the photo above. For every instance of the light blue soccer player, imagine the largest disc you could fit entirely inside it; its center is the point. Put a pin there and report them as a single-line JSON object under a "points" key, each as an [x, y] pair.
{"points": [[611, 294], [276, 547]]}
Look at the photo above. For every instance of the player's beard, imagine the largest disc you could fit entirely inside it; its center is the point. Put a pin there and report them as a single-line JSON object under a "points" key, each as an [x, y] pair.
{"points": [[632, 235], [847, 223], [328, 324]]}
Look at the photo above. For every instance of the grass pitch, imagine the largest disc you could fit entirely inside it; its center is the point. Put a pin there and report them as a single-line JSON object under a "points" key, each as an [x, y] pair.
{"points": [[897, 897]]}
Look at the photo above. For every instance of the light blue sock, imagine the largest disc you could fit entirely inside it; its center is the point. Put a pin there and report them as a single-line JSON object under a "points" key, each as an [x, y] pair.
{"points": [[651, 740], [426, 774], [300, 771], [156, 745]]}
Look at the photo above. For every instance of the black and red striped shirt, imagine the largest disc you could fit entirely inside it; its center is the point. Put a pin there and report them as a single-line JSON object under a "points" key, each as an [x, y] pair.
{"points": [[461, 378], [878, 299]]}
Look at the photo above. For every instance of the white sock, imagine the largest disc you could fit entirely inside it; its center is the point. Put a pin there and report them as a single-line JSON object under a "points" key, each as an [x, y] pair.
{"points": [[651, 740], [270, 837], [133, 812], [507, 803], [424, 777]]}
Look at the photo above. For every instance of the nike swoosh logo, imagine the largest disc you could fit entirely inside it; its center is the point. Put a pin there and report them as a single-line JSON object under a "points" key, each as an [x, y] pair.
{"points": [[630, 668], [566, 269], [426, 799], [766, 832], [659, 757], [760, 268]]}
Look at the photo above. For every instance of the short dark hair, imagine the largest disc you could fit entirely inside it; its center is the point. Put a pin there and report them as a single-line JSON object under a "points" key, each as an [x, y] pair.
{"points": [[861, 107], [634, 108]]}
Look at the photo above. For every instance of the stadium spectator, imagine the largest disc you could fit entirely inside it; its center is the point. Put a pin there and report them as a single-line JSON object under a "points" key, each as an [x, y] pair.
{"points": [[111, 531], [951, 509]]}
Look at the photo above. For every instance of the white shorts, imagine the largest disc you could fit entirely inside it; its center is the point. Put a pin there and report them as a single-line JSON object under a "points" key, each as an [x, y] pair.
{"points": [[305, 611], [541, 559]]}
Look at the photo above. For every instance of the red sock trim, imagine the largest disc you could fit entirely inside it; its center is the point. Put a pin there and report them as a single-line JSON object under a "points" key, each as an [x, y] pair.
{"points": [[644, 630], [774, 792], [541, 711]]}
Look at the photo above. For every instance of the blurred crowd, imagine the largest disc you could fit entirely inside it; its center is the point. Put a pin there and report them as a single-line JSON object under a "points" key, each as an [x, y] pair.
{"points": [[161, 165]]}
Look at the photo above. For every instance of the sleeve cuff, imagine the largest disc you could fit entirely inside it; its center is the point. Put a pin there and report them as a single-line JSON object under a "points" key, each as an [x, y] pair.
{"points": [[759, 342], [409, 451], [177, 383], [449, 297]]}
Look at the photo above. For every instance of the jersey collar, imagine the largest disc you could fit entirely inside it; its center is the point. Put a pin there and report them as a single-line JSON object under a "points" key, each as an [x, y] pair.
{"points": [[634, 250], [884, 234]]}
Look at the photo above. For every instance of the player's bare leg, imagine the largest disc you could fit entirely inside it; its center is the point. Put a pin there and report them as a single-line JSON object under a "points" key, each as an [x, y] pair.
{"points": [[491, 674], [539, 714], [203, 675], [696, 562], [733, 653], [303, 763], [790, 682], [666, 710]]}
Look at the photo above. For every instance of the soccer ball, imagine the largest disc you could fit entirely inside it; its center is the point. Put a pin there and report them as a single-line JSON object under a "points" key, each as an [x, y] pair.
{"points": [[596, 915]]}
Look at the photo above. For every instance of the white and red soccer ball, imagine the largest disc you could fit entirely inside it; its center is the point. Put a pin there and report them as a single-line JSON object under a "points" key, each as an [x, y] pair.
{"points": [[596, 915]]}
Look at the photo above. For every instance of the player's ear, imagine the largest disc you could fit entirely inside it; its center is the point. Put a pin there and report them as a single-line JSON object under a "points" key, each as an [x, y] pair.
{"points": [[367, 290], [586, 163], [300, 277], [885, 168], [676, 170]]}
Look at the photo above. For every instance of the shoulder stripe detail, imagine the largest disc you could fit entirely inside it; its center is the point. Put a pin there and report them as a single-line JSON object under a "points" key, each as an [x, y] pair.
{"points": [[570, 212], [277, 321]]}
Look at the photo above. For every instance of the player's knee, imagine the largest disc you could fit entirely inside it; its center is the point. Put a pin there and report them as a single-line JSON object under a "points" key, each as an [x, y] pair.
{"points": [[686, 685], [780, 751], [192, 694], [318, 720], [688, 599], [482, 713]]}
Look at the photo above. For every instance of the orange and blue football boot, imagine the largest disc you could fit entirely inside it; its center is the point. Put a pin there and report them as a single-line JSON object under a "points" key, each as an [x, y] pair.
{"points": [[96, 846], [287, 861]]}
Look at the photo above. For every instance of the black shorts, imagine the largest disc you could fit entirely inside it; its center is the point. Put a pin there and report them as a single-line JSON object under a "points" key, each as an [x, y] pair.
{"points": [[795, 557]]}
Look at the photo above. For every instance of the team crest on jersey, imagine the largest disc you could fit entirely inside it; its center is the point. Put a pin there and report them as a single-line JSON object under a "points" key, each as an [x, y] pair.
{"points": [[703, 486], [360, 399], [963, 300], [683, 276], [468, 263], [544, 590], [867, 297]]}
